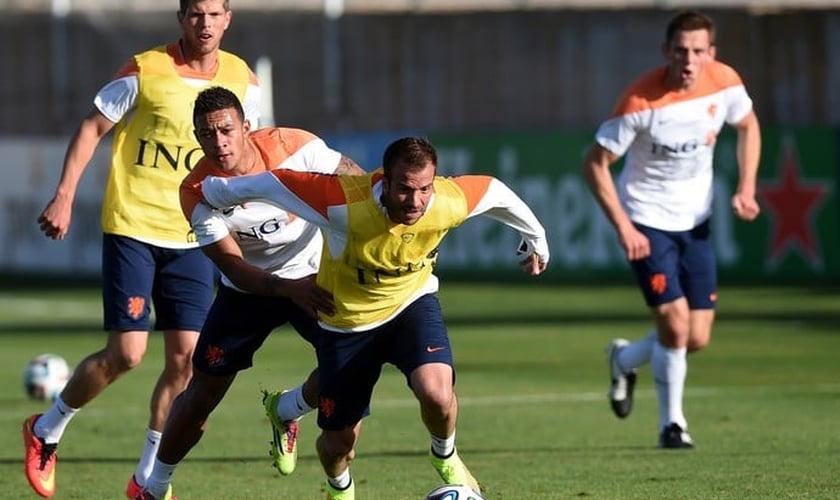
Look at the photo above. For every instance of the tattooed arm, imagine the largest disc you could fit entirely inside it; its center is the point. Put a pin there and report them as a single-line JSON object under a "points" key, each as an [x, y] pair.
{"points": [[346, 166]]}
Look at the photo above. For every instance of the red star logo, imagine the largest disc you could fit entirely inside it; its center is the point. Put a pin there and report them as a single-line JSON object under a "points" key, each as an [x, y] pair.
{"points": [[793, 201]]}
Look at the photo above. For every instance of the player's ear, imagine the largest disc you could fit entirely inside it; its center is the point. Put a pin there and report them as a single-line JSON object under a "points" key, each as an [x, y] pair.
{"points": [[228, 18], [247, 125], [712, 52]]}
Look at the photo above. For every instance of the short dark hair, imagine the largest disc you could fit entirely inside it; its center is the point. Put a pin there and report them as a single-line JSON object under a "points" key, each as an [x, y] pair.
{"points": [[409, 151], [185, 4], [215, 99], [690, 20]]}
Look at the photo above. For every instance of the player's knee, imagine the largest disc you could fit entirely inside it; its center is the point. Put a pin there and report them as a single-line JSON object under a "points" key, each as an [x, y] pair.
{"points": [[337, 443], [698, 342], [180, 360], [197, 401], [432, 386], [436, 400], [674, 330], [701, 329], [179, 369], [124, 351], [119, 361]]}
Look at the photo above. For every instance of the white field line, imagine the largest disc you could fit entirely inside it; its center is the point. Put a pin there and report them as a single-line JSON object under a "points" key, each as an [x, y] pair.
{"points": [[585, 397], [509, 399], [31, 307]]}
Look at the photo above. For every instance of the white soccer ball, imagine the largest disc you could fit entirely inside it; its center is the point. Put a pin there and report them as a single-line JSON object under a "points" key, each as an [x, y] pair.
{"points": [[454, 492], [45, 376]]}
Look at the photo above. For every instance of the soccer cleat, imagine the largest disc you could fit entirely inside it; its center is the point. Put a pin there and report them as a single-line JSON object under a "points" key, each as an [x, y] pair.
{"points": [[283, 435], [132, 489], [146, 495], [39, 462], [621, 384], [674, 437], [348, 493], [453, 471]]}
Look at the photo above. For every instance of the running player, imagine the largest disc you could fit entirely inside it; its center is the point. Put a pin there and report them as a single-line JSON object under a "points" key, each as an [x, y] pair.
{"points": [[149, 254], [667, 123]]}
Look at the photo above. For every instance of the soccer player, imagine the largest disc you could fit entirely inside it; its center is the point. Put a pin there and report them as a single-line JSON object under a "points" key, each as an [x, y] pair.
{"points": [[149, 254], [268, 259], [381, 232], [667, 123]]}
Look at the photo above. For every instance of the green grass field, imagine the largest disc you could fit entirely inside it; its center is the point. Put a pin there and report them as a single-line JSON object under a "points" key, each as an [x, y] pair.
{"points": [[763, 403]]}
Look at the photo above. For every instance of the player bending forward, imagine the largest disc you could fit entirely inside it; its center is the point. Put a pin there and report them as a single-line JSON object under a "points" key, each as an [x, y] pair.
{"points": [[382, 231]]}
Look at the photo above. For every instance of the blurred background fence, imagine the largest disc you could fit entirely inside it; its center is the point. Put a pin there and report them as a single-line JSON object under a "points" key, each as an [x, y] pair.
{"points": [[474, 70], [509, 87]]}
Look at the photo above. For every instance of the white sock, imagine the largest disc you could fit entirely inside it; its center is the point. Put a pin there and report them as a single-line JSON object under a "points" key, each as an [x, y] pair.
{"points": [[160, 477], [50, 426], [341, 481], [669, 372], [637, 353], [147, 459], [292, 406], [443, 447]]}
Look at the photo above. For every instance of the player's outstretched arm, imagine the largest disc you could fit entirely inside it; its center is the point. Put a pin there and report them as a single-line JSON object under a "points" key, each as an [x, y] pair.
{"points": [[491, 197], [302, 193]]}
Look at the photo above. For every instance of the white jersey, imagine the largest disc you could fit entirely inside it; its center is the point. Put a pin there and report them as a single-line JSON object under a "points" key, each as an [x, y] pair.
{"points": [[270, 238], [669, 139]]}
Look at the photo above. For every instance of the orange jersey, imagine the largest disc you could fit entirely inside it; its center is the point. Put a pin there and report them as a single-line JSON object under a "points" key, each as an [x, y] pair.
{"points": [[669, 137], [270, 238], [373, 266]]}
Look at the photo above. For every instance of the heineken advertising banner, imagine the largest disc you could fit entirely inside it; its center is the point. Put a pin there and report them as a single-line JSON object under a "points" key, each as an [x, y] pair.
{"points": [[794, 238]]}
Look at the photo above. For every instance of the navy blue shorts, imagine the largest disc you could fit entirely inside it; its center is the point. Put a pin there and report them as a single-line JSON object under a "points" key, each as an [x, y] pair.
{"points": [[681, 264], [350, 363], [136, 275], [239, 323]]}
